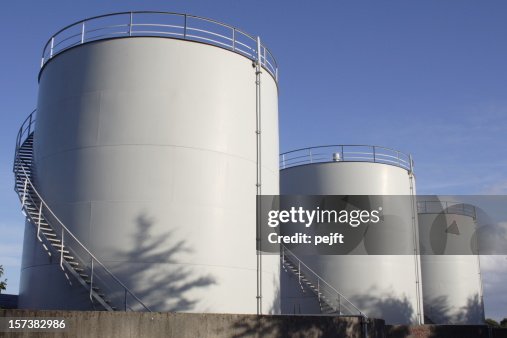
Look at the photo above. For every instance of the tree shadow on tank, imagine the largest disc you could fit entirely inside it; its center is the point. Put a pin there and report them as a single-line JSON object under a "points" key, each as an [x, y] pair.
{"points": [[160, 290], [392, 309], [439, 312], [473, 312], [436, 311], [397, 312]]}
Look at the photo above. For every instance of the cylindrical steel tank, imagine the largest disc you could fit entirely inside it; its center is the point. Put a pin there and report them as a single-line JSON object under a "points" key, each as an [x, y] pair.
{"points": [[146, 148], [451, 283], [382, 286]]}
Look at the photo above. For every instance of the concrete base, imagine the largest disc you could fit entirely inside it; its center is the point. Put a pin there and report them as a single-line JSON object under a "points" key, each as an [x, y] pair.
{"points": [[190, 325], [442, 331]]}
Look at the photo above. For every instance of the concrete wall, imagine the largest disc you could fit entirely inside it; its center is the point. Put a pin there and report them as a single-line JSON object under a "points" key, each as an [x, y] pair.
{"points": [[186, 325], [444, 331]]}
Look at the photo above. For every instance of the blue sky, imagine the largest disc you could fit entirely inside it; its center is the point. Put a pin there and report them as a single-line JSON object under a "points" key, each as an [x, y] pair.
{"points": [[425, 77]]}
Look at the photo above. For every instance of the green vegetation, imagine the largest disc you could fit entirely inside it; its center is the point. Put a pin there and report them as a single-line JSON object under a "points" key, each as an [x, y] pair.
{"points": [[494, 323], [3, 283]]}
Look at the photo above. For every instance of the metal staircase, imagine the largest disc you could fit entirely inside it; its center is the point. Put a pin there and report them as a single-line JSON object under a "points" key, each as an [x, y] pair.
{"points": [[78, 264], [330, 300]]}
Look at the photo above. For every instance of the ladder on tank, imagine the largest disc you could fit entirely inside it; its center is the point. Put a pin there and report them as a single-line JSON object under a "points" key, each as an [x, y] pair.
{"points": [[76, 261]]}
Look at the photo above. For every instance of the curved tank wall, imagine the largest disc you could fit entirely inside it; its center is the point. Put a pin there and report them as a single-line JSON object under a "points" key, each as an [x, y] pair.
{"points": [[145, 148], [383, 286], [452, 290]]}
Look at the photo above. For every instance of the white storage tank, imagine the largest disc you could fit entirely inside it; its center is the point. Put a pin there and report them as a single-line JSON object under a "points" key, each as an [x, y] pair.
{"points": [[146, 149], [451, 283], [382, 286]]}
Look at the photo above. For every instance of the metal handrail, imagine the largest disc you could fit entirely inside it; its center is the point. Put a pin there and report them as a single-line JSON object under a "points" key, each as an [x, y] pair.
{"points": [[320, 283], [26, 127], [446, 207], [79, 33], [346, 153]]}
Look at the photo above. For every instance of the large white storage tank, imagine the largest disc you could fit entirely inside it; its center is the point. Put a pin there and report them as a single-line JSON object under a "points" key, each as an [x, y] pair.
{"points": [[146, 148], [382, 286], [451, 283]]}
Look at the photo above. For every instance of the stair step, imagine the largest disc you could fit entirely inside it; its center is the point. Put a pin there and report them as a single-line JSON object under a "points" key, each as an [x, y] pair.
{"points": [[23, 166], [49, 234]]}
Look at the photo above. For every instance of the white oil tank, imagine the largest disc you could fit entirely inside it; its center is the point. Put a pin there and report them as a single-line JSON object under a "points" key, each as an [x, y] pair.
{"points": [[147, 147], [451, 283], [382, 286]]}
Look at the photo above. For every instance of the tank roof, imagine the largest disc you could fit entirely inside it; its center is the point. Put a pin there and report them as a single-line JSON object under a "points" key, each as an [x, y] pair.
{"points": [[346, 153], [160, 24]]}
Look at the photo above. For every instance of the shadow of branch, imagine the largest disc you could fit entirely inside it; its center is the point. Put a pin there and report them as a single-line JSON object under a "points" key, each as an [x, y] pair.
{"points": [[153, 270]]}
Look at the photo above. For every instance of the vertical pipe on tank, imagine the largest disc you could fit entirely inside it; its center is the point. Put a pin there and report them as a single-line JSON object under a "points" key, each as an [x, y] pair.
{"points": [[481, 287], [130, 24], [415, 230], [259, 168]]}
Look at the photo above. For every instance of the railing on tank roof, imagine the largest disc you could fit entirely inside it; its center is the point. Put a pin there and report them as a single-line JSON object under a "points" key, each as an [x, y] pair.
{"points": [[446, 207], [160, 24], [346, 153]]}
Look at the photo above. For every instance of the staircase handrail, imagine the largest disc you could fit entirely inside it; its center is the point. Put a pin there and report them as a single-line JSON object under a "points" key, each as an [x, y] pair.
{"points": [[26, 126], [321, 281], [28, 181]]}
